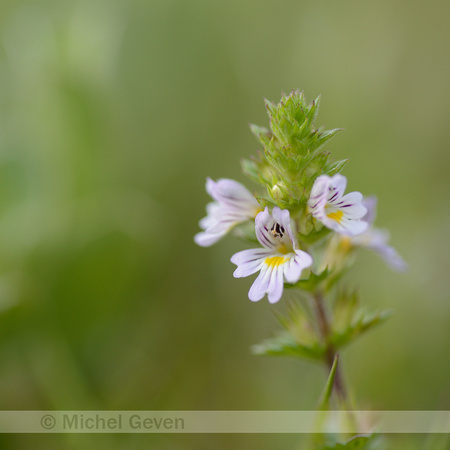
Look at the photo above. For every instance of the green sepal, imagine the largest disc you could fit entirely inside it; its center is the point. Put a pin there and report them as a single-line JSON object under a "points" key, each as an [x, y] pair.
{"points": [[314, 166], [335, 167], [271, 107], [263, 134], [314, 109], [325, 136], [251, 169], [292, 123], [315, 235], [257, 169]]}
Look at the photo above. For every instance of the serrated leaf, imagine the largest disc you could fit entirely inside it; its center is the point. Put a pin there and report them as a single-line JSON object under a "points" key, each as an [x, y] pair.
{"points": [[361, 323], [344, 309], [285, 344]]}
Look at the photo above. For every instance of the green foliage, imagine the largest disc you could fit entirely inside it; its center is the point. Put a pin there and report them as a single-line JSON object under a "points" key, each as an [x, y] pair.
{"points": [[292, 122], [284, 344], [326, 394], [299, 337], [291, 158], [350, 321], [312, 283]]}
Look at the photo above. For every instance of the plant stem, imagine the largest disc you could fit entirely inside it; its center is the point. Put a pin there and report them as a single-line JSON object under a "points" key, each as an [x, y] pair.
{"points": [[324, 328]]}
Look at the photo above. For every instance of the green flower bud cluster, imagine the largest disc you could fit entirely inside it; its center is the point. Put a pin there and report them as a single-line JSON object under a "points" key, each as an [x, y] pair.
{"points": [[292, 156]]}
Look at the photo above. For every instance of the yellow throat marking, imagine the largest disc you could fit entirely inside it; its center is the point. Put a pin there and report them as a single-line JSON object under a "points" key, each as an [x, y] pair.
{"points": [[274, 261], [337, 216]]}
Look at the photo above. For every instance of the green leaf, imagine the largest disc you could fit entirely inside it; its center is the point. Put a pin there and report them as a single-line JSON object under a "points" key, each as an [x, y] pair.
{"points": [[360, 323], [286, 345], [326, 394], [299, 337]]}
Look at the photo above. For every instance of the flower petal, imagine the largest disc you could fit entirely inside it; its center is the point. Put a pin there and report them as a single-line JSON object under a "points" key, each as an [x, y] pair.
{"points": [[233, 204], [260, 285], [377, 241], [336, 189], [206, 239], [211, 213], [319, 193], [283, 218], [348, 226], [351, 205], [249, 261], [294, 267], [276, 284], [263, 224], [231, 193], [371, 205]]}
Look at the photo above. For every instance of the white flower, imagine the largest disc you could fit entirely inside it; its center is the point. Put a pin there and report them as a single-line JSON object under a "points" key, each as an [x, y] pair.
{"points": [[341, 213], [279, 259], [233, 204], [377, 240]]}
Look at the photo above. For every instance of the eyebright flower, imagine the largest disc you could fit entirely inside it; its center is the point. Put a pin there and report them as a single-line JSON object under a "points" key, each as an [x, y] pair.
{"points": [[339, 212], [279, 259], [377, 240], [233, 204]]}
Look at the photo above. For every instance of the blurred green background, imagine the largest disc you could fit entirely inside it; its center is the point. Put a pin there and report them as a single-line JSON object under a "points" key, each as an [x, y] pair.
{"points": [[112, 115]]}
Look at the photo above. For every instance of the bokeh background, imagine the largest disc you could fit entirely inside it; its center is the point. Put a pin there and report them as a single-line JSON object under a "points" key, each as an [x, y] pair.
{"points": [[112, 115]]}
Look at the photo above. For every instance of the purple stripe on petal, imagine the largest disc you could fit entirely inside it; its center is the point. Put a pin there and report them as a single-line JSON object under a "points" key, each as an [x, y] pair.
{"points": [[333, 197]]}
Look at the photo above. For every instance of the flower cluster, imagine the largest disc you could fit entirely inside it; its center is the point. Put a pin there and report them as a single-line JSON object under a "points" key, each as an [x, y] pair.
{"points": [[306, 203], [280, 258], [309, 231]]}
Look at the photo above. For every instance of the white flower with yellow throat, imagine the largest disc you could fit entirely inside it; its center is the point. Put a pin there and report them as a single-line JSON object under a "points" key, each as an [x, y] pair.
{"points": [[280, 258]]}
